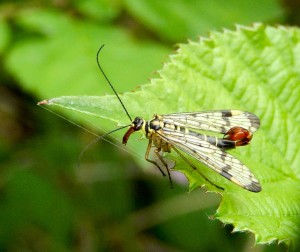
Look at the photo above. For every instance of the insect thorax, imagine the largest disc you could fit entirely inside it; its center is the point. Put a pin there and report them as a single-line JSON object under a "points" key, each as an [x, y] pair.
{"points": [[153, 125]]}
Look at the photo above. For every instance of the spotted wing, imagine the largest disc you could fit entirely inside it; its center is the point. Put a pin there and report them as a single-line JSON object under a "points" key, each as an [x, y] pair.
{"points": [[214, 157], [220, 121]]}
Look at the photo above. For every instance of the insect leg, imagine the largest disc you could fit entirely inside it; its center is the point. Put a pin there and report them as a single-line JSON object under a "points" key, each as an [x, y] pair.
{"points": [[149, 160], [194, 167], [156, 151], [165, 164]]}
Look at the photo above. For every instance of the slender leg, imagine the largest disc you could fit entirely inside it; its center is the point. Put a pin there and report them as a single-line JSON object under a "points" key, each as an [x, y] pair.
{"points": [[149, 160], [194, 167], [165, 164], [156, 151]]}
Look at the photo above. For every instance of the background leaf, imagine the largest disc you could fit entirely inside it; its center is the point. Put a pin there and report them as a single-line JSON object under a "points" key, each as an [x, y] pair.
{"points": [[4, 34], [254, 69], [191, 18], [53, 52]]}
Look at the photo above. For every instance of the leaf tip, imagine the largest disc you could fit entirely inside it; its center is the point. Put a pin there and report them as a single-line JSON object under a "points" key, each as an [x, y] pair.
{"points": [[44, 102]]}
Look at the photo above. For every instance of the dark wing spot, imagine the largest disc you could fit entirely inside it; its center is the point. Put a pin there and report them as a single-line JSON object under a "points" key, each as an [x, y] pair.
{"points": [[254, 187], [226, 168], [225, 174], [226, 113]]}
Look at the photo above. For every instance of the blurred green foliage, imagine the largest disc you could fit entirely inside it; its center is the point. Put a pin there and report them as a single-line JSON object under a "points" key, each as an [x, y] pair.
{"points": [[48, 49]]}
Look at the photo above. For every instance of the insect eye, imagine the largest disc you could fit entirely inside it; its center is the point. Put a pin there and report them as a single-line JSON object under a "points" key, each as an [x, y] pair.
{"points": [[138, 122]]}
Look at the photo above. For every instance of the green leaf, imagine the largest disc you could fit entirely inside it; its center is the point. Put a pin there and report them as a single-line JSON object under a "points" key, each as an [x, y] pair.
{"points": [[4, 34], [103, 10], [61, 58], [191, 18], [255, 69]]}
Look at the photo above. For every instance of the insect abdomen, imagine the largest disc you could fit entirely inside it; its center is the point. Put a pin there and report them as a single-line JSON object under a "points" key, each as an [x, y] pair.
{"points": [[219, 142]]}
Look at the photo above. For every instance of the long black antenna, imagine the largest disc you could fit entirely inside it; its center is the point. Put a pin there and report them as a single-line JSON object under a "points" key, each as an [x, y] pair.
{"points": [[110, 83]]}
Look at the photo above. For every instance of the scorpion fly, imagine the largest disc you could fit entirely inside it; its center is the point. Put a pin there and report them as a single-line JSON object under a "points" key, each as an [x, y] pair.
{"points": [[179, 132]]}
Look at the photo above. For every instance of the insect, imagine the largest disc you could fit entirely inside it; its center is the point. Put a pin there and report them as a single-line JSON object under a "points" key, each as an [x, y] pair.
{"points": [[174, 131], [179, 132]]}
